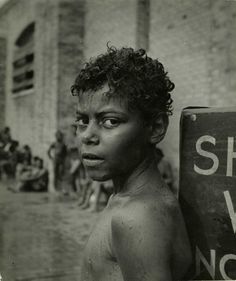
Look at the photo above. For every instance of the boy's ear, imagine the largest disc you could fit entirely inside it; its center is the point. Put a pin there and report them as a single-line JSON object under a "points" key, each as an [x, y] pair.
{"points": [[158, 128]]}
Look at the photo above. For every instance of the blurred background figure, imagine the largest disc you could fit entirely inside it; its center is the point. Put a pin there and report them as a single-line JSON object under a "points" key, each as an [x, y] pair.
{"points": [[26, 155], [5, 136], [5, 143], [165, 169], [95, 195], [9, 159], [72, 163], [71, 140], [9, 153], [31, 177], [85, 189], [57, 154], [71, 185]]}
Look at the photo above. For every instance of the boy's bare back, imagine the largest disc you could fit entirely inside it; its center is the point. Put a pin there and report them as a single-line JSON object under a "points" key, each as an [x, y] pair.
{"points": [[138, 237]]}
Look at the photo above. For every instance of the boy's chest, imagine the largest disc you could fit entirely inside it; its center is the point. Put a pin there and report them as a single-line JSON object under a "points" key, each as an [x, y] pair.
{"points": [[99, 243], [99, 261]]}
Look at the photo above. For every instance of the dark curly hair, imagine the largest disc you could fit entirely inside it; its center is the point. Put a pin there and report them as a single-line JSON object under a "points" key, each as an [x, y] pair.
{"points": [[131, 74]]}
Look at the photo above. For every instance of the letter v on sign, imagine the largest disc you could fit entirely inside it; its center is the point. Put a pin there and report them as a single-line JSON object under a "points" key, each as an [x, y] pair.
{"points": [[231, 211]]}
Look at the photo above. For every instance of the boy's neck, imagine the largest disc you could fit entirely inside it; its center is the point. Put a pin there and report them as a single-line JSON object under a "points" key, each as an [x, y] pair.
{"points": [[138, 178]]}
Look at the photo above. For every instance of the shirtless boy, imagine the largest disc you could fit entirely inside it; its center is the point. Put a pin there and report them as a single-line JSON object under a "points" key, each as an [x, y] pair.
{"points": [[124, 103]]}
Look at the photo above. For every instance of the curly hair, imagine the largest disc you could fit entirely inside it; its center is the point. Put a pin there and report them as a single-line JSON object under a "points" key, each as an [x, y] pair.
{"points": [[131, 74]]}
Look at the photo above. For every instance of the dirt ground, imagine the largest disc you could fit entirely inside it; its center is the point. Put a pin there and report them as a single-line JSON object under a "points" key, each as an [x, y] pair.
{"points": [[42, 236]]}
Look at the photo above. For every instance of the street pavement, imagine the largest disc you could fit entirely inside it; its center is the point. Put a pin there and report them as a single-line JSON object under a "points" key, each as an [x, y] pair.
{"points": [[42, 236]]}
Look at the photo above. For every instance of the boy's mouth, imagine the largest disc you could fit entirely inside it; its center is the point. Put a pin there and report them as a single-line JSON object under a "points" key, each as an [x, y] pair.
{"points": [[90, 159]]}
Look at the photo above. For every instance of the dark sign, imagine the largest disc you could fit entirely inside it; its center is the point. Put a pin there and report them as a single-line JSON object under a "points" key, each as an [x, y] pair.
{"points": [[208, 190]]}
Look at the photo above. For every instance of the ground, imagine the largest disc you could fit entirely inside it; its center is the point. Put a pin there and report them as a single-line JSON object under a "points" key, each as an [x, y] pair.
{"points": [[42, 236]]}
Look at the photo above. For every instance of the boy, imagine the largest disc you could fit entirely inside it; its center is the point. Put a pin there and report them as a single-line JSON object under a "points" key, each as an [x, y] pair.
{"points": [[124, 103]]}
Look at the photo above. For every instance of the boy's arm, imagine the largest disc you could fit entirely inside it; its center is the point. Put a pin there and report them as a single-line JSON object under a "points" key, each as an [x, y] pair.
{"points": [[141, 241]]}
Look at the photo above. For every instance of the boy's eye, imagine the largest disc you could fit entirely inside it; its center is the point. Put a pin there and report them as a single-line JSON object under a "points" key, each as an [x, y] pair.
{"points": [[82, 121], [110, 123]]}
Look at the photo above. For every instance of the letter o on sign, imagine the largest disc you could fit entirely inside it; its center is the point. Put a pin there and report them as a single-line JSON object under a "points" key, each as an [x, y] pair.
{"points": [[222, 265]]}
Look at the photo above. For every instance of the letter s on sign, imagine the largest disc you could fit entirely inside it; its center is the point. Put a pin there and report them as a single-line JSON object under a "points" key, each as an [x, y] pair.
{"points": [[207, 154]]}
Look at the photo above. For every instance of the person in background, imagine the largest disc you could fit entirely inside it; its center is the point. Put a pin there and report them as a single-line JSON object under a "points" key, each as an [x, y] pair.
{"points": [[98, 189], [72, 163], [33, 178], [85, 185], [5, 136], [5, 143], [38, 180], [71, 140], [10, 159], [26, 155], [57, 153], [25, 160], [164, 168], [72, 172]]}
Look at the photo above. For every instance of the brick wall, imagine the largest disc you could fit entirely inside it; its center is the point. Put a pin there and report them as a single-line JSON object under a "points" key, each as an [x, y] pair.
{"points": [[32, 115], [143, 24], [46, 61], [19, 111], [109, 21], [70, 57], [2, 80], [223, 53], [195, 40]]}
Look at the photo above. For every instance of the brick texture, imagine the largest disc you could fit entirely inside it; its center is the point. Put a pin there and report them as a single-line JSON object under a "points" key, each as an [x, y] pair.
{"points": [[109, 21], [35, 116], [46, 86], [19, 112], [195, 40], [70, 57], [2, 80]]}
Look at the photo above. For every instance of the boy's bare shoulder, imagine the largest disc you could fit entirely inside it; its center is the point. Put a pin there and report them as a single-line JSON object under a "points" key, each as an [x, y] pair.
{"points": [[143, 233], [155, 211]]}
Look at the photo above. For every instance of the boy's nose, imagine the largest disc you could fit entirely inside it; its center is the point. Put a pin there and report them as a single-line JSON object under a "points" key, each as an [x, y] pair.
{"points": [[90, 135]]}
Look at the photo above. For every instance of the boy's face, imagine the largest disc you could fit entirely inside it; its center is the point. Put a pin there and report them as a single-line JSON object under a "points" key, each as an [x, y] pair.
{"points": [[112, 140]]}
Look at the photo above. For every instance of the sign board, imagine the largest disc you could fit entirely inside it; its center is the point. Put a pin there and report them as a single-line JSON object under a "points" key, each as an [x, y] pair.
{"points": [[208, 190]]}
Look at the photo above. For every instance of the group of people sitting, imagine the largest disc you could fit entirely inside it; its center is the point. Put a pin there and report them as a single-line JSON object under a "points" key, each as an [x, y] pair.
{"points": [[69, 174], [18, 163]]}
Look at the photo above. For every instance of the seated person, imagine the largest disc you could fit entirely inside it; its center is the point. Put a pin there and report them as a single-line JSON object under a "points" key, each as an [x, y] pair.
{"points": [[9, 159], [32, 178], [5, 136], [38, 180], [24, 161]]}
